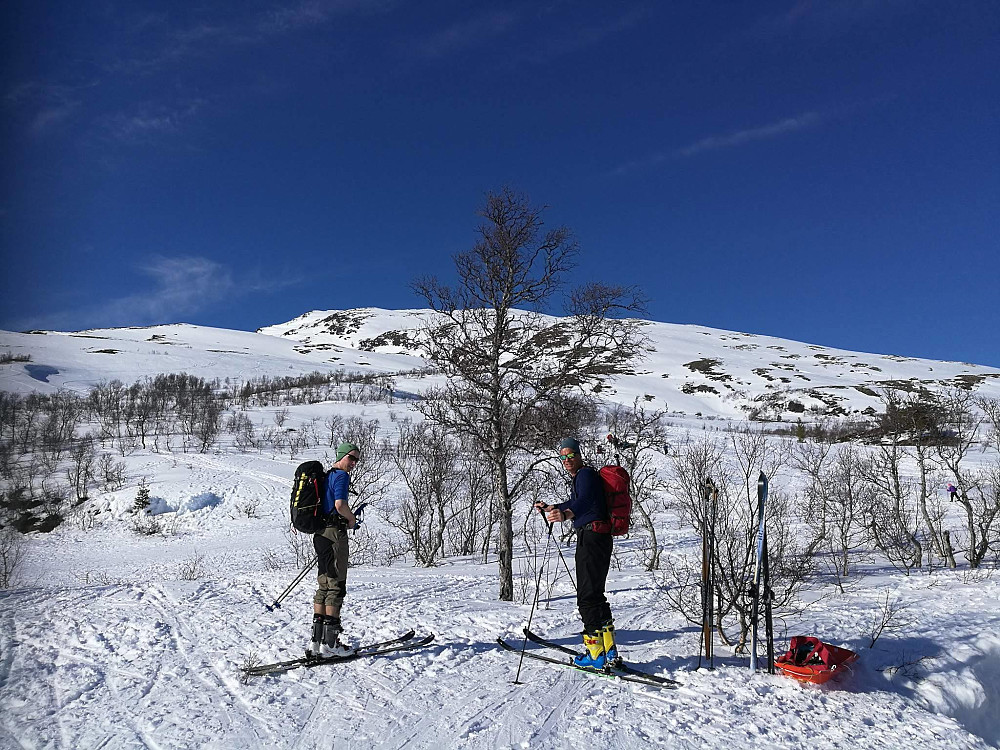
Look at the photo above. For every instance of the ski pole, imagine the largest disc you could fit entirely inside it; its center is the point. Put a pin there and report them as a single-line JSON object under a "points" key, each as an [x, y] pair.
{"points": [[711, 575], [538, 586], [756, 588], [298, 579], [703, 643]]}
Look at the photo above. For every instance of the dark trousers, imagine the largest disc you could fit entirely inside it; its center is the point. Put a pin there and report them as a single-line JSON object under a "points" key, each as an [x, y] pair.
{"points": [[593, 559], [331, 554]]}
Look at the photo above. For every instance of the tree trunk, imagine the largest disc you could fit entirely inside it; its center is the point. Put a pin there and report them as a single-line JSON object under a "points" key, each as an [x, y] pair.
{"points": [[503, 500]]}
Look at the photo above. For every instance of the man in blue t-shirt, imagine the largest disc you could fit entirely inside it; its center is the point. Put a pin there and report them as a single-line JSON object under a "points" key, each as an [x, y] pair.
{"points": [[587, 504], [331, 555]]}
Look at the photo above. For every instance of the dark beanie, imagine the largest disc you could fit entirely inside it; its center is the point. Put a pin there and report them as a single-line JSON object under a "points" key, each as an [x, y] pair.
{"points": [[571, 443]]}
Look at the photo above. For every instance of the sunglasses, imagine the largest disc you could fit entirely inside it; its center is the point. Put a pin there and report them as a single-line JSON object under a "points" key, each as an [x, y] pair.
{"points": [[354, 458], [567, 456]]}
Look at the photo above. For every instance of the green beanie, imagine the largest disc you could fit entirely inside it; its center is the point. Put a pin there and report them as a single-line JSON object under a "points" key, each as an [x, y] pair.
{"points": [[344, 448]]}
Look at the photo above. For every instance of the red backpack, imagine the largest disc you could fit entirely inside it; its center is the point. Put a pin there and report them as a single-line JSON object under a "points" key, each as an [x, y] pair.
{"points": [[619, 501]]}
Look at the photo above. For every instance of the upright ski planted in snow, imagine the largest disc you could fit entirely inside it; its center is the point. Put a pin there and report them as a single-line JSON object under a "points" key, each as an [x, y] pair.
{"points": [[711, 498], [761, 589]]}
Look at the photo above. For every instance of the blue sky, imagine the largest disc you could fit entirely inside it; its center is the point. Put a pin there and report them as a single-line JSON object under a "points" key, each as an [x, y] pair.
{"points": [[822, 171]]}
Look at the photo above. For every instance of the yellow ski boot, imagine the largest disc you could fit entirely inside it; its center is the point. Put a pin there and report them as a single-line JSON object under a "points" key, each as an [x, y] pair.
{"points": [[610, 649], [595, 657]]}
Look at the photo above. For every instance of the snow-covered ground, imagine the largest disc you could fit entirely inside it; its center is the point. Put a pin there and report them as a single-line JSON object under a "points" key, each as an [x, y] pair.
{"points": [[112, 640]]}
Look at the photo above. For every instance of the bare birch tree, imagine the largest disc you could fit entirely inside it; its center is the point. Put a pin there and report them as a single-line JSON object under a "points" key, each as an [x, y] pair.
{"points": [[504, 361]]}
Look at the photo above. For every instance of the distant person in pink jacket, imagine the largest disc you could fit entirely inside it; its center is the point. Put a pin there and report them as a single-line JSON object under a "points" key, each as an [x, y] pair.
{"points": [[953, 491]]}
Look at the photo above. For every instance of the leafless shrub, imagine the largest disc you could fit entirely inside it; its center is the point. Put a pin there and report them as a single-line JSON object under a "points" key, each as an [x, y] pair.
{"points": [[910, 668], [977, 576], [334, 428], [250, 661], [300, 545], [110, 472], [242, 429], [732, 516], [271, 561], [97, 578], [365, 546], [13, 552], [890, 615], [193, 568], [427, 459], [146, 525], [250, 508], [80, 472]]}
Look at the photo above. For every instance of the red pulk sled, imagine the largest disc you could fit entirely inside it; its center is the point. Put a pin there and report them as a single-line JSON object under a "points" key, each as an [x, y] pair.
{"points": [[810, 660]]}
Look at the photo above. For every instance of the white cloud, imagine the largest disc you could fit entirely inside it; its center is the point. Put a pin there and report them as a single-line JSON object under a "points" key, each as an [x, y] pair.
{"points": [[181, 287], [715, 142], [729, 140], [466, 34], [150, 119], [46, 106]]}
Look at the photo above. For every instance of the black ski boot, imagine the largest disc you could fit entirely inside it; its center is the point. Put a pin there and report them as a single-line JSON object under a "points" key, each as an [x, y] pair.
{"points": [[331, 638], [316, 643]]}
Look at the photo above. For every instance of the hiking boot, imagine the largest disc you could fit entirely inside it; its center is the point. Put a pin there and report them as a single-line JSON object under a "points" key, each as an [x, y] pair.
{"points": [[595, 658], [331, 639], [610, 649], [316, 644]]}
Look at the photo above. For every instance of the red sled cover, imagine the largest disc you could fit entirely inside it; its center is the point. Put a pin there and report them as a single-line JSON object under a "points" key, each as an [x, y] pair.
{"points": [[808, 659]]}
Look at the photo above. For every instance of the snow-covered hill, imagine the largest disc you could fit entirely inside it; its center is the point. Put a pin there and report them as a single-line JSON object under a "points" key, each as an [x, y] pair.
{"points": [[690, 369]]}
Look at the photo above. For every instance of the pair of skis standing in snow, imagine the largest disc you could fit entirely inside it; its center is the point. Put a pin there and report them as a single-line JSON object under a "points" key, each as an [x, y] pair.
{"points": [[760, 587]]}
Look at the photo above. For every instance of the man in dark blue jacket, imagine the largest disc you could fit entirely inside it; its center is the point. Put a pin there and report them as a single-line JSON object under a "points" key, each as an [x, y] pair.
{"points": [[587, 504]]}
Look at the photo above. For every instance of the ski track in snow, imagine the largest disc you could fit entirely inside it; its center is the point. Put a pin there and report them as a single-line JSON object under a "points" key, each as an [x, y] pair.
{"points": [[157, 666]]}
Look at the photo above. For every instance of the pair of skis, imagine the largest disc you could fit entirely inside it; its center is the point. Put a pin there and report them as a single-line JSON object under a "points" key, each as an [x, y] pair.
{"points": [[761, 588], [618, 671], [402, 642], [709, 512]]}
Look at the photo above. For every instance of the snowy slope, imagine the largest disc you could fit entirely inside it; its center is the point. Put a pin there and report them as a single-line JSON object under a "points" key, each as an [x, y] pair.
{"points": [[81, 359], [689, 369], [104, 643]]}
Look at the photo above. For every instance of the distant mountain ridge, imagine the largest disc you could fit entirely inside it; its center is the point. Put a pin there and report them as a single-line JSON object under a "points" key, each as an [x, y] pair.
{"points": [[689, 369]]}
